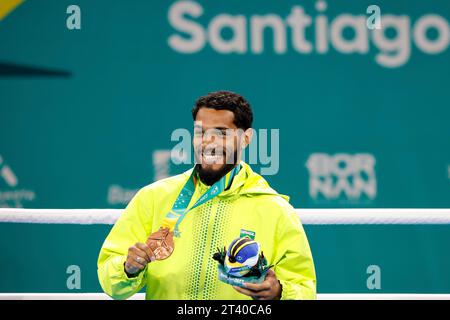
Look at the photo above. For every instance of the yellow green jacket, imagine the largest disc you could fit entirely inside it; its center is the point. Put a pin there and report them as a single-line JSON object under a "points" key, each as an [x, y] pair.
{"points": [[190, 272]]}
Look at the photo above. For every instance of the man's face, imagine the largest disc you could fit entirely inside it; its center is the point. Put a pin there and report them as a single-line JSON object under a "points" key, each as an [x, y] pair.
{"points": [[217, 141]]}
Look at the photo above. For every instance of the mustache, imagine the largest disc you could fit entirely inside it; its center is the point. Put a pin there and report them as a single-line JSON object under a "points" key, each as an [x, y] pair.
{"points": [[230, 157], [213, 150], [209, 176]]}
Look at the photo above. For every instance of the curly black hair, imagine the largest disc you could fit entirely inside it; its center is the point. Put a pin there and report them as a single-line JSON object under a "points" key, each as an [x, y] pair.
{"points": [[227, 100]]}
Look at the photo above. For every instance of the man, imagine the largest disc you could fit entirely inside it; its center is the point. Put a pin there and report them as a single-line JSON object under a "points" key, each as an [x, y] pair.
{"points": [[167, 235]]}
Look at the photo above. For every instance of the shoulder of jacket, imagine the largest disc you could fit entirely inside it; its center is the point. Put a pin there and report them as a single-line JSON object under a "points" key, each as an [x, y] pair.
{"points": [[281, 213], [274, 204]]}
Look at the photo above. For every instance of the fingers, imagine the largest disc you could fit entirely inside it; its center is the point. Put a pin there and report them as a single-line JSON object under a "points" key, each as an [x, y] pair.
{"points": [[266, 290], [270, 273], [139, 251], [146, 249], [257, 287], [132, 267], [261, 295], [243, 291], [138, 257], [267, 284]]}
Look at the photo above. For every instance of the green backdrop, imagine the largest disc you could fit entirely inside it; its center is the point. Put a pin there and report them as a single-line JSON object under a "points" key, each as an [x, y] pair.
{"points": [[86, 117]]}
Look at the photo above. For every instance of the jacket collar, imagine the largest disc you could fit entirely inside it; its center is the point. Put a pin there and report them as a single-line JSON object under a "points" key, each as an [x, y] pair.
{"points": [[246, 182]]}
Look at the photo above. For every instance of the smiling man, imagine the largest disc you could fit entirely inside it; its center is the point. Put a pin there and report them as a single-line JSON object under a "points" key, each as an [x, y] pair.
{"points": [[167, 235]]}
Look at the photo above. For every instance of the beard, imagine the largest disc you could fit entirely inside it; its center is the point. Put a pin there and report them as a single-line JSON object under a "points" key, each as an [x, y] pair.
{"points": [[209, 176]]}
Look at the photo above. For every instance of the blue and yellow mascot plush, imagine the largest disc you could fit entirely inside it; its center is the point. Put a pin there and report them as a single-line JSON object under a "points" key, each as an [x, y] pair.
{"points": [[242, 262]]}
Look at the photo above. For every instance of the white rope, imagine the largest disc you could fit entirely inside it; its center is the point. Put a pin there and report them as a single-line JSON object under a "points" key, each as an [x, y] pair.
{"points": [[374, 216], [141, 296], [60, 216], [307, 216]]}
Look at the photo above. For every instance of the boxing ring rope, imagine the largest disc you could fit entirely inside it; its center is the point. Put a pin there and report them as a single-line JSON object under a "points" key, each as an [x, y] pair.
{"points": [[307, 216], [141, 296]]}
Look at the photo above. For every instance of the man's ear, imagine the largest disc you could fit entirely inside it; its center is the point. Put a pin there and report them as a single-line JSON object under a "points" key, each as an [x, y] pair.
{"points": [[248, 136]]}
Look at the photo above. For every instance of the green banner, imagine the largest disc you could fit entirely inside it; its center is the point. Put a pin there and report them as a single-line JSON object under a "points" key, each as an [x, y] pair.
{"points": [[351, 106]]}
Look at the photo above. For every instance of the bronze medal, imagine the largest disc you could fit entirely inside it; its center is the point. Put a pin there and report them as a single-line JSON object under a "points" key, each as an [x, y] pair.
{"points": [[161, 243]]}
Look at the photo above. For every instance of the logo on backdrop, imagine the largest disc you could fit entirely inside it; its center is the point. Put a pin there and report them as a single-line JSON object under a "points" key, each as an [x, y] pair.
{"points": [[11, 196], [121, 196], [390, 37], [345, 178], [118, 195]]}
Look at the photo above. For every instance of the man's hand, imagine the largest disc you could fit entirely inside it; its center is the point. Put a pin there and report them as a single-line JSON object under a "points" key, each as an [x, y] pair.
{"points": [[138, 257], [269, 289]]}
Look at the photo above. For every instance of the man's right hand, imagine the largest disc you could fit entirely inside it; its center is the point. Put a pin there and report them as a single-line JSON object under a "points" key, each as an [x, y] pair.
{"points": [[138, 257]]}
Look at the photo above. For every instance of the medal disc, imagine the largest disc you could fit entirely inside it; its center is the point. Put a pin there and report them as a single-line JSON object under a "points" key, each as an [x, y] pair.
{"points": [[161, 243]]}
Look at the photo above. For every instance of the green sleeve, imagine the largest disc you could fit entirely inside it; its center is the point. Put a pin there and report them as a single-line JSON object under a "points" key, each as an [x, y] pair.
{"points": [[294, 265], [134, 225]]}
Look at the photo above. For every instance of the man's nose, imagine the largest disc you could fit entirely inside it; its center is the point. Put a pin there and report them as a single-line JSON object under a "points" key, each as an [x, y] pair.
{"points": [[209, 145], [209, 138]]}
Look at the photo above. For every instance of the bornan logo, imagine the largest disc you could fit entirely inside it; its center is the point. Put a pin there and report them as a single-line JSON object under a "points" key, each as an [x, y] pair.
{"points": [[343, 177]]}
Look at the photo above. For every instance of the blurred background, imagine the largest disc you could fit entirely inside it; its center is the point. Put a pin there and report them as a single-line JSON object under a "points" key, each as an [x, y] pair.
{"points": [[356, 115]]}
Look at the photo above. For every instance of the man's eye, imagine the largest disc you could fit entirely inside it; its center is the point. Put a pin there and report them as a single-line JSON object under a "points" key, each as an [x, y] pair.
{"points": [[228, 133], [222, 133]]}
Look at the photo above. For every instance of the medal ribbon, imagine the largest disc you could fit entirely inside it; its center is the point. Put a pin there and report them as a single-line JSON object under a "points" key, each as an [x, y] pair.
{"points": [[180, 207]]}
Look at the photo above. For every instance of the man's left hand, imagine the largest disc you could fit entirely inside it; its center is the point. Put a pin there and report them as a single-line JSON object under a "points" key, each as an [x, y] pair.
{"points": [[269, 289]]}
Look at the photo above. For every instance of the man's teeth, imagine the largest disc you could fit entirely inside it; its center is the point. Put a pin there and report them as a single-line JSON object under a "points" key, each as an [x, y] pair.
{"points": [[212, 158]]}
